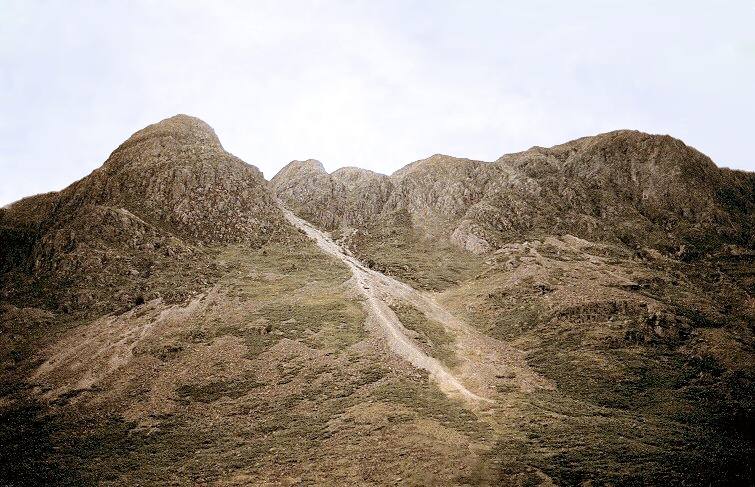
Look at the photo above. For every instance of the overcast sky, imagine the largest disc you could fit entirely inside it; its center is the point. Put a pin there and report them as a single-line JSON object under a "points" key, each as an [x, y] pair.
{"points": [[374, 84]]}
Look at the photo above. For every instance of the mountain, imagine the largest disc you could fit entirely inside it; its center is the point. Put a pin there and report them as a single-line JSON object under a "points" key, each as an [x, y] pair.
{"points": [[625, 186], [349, 197], [574, 315], [167, 189]]}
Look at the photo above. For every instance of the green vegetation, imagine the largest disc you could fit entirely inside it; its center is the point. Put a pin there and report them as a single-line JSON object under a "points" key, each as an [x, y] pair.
{"points": [[503, 311], [431, 335], [304, 386], [289, 290], [574, 441], [627, 411], [432, 264], [212, 391], [329, 323], [426, 400]]}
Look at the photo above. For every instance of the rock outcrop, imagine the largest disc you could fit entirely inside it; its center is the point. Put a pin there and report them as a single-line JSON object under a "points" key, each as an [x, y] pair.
{"points": [[167, 189], [643, 190], [176, 175], [348, 197]]}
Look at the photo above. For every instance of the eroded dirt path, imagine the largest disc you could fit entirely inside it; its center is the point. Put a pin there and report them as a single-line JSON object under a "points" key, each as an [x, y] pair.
{"points": [[485, 362]]}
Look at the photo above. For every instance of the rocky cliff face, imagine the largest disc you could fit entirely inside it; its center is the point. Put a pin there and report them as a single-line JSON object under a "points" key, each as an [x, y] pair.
{"points": [[643, 190], [348, 197], [438, 190], [166, 189]]}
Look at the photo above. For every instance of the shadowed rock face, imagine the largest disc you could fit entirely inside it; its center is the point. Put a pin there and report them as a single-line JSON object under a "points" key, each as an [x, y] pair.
{"points": [[627, 186]]}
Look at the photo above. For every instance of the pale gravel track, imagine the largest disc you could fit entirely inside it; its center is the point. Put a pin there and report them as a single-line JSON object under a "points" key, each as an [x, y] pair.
{"points": [[373, 285]]}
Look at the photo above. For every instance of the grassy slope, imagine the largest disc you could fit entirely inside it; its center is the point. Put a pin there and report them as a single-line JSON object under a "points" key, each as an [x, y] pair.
{"points": [[274, 377], [639, 401], [632, 407], [431, 264]]}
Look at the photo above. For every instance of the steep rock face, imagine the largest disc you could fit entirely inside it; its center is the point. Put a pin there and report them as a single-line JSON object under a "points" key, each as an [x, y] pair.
{"points": [[77, 250], [306, 188], [433, 191], [361, 193], [438, 190], [671, 185], [20, 226], [349, 196]]}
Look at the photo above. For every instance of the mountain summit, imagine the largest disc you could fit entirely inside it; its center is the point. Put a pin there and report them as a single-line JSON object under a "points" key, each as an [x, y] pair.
{"points": [[168, 187], [175, 174]]}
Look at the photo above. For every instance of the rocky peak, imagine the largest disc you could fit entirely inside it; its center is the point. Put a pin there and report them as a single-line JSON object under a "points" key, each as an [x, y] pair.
{"points": [[176, 174], [309, 165], [361, 194], [437, 164], [644, 189], [297, 176], [349, 196], [641, 189], [438, 190], [179, 128], [167, 188], [356, 175]]}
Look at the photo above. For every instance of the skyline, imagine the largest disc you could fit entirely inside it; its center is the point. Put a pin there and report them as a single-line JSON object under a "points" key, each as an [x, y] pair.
{"points": [[376, 86]]}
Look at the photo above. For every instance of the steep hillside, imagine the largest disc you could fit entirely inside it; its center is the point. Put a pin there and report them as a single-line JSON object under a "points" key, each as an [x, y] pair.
{"points": [[175, 175], [307, 188], [640, 189], [167, 189], [624, 264], [579, 315]]}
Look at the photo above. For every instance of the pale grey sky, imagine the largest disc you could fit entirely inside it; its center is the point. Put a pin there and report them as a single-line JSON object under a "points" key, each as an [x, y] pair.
{"points": [[375, 84]]}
